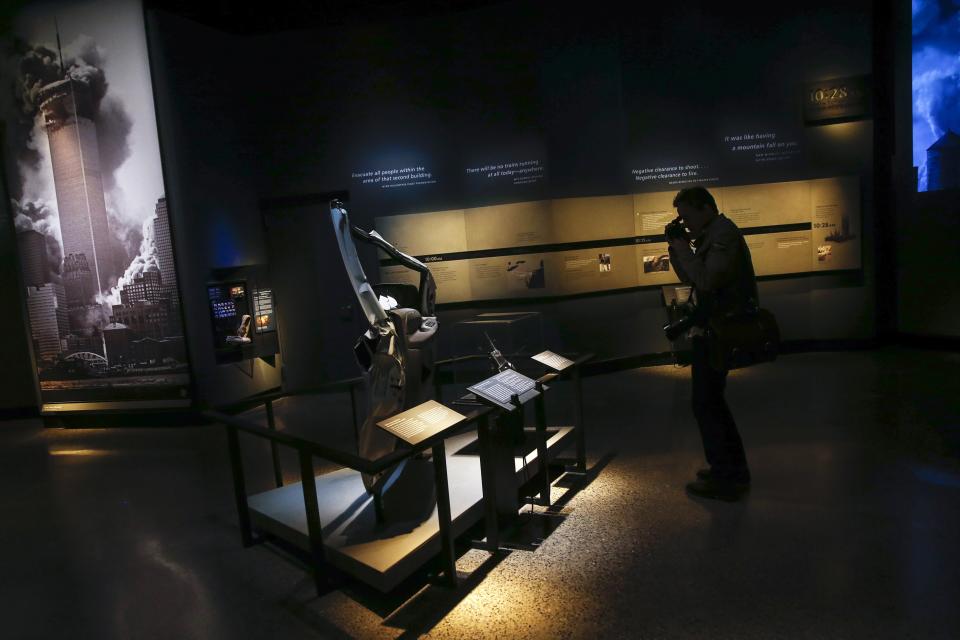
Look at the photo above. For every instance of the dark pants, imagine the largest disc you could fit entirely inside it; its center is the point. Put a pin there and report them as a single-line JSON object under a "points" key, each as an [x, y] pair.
{"points": [[722, 445]]}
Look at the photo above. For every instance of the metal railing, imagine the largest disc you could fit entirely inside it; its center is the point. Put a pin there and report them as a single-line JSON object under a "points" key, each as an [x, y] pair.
{"points": [[307, 450]]}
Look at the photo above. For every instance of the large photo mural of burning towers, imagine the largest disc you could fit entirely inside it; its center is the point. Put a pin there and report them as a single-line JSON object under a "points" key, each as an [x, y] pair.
{"points": [[93, 228]]}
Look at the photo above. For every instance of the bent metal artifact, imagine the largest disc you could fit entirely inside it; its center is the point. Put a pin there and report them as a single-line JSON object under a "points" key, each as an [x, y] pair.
{"points": [[397, 352]]}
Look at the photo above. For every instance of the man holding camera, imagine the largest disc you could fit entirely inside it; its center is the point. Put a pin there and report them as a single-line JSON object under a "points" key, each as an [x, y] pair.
{"points": [[708, 251]]}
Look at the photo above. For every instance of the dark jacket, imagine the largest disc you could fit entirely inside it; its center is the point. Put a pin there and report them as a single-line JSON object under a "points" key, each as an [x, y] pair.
{"points": [[720, 270]]}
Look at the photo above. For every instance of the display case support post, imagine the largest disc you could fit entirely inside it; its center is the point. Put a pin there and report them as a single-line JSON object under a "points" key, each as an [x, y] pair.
{"points": [[312, 507], [378, 512], [353, 413], [448, 561], [541, 415], [274, 451], [579, 427], [437, 385], [488, 484], [239, 486]]}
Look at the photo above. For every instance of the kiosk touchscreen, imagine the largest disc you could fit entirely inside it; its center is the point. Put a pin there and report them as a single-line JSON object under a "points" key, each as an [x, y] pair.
{"points": [[231, 319]]}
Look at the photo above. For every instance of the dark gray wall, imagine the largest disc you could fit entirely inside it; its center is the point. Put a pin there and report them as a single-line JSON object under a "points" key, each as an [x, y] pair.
{"points": [[395, 80], [929, 252], [210, 167], [318, 316], [19, 386], [245, 118]]}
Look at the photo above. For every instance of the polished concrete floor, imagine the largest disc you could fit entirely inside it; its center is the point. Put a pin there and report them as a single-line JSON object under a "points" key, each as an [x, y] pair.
{"points": [[852, 529]]}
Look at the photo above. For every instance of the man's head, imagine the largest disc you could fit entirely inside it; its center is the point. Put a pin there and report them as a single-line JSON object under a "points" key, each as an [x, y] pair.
{"points": [[696, 207]]}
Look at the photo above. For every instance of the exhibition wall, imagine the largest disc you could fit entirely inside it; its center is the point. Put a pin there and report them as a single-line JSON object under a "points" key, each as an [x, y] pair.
{"points": [[211, 166], [493, 109], [472, 110], [929, 242], [19, 388]]}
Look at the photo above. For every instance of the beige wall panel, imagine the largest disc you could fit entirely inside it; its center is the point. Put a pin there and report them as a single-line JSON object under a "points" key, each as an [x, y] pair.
{"points": [[577, 219], [759, 205], [780, 253], [597, 269], [420, 234], [396, 274], [453, 280], [652, 211], [653, 265], [502, 277], [836, 223]]}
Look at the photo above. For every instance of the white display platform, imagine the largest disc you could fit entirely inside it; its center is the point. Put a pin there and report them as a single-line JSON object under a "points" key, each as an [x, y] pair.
{"points": [[383, 555]]}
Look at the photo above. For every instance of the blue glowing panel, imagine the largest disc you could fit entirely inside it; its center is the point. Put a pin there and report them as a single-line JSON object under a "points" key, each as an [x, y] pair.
{"points": [[230, 318], [936, 89]]}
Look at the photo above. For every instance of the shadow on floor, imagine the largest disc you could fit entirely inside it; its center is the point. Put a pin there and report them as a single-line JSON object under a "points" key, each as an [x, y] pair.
{"points": [[421, 601]]}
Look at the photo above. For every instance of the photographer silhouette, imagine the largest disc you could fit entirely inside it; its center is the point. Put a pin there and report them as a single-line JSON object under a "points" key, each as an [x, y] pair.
{"points": [[708, 251]]}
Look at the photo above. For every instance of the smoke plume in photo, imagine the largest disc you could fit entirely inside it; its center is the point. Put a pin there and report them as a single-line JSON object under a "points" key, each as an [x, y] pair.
{"points": [[32, 216], [83, 61], [145, 259]]}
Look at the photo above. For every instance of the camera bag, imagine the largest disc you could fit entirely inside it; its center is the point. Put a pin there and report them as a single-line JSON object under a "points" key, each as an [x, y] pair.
{"points": [[742, 339]]}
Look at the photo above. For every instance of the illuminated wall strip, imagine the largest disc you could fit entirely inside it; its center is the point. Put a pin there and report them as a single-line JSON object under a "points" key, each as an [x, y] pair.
{"points": [[581, 245]]}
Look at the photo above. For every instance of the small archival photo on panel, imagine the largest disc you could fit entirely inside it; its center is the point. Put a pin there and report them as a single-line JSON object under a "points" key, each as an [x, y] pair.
{"points": [[89, 206], [605, 262], [656, 264]]}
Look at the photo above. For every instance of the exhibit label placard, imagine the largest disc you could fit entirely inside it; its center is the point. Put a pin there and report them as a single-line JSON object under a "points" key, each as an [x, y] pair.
{"points": [[501, 388], [423, 421], [553, 360]]}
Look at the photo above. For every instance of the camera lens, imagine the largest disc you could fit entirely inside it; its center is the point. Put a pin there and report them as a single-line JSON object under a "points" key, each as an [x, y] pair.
{"points": [[675, 329]]}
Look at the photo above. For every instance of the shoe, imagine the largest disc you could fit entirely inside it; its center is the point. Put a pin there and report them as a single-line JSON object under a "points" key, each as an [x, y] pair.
{"points": [[725, 490]]}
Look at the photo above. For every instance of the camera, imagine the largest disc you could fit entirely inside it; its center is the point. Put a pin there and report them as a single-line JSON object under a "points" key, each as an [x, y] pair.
{"points": [[677, 328], [692, 316], [676, 231]]}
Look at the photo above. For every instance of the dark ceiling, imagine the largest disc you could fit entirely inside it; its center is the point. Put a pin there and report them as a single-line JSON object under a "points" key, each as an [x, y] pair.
{"points": [[282, 15]]}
